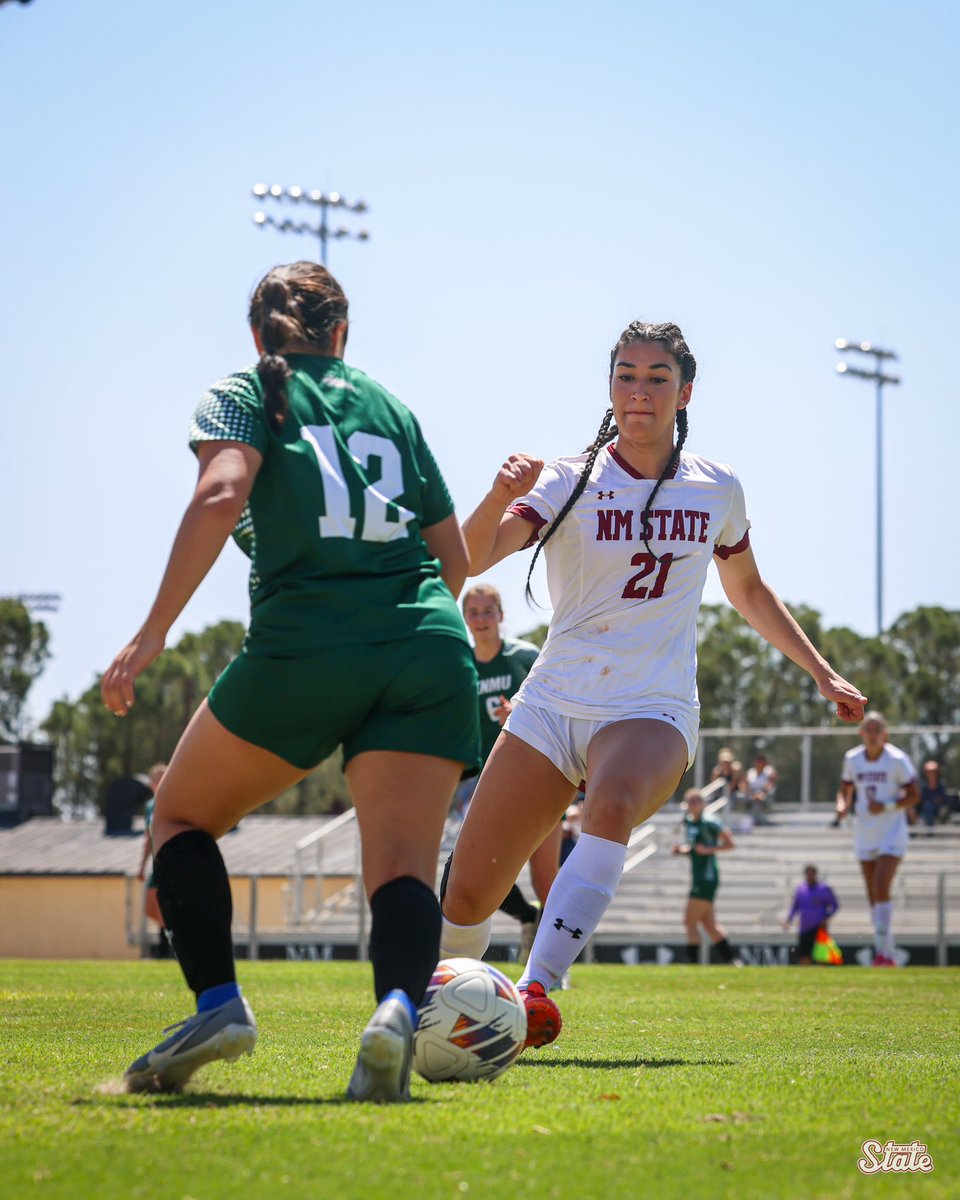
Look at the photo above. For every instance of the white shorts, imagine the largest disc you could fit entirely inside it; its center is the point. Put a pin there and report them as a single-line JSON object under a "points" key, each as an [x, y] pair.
{"points": [[564, 740], [873, 838]]}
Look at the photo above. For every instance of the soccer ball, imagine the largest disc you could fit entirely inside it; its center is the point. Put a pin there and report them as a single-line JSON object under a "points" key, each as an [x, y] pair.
{"points": [[472, 1023]]}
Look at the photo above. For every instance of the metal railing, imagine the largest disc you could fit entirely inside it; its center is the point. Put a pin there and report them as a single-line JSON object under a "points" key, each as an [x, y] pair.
{"points": [[325, 906]]}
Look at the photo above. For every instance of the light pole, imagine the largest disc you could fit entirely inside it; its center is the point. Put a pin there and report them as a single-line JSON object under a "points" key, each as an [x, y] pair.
{"points": [[879, 377], [322, 200]]}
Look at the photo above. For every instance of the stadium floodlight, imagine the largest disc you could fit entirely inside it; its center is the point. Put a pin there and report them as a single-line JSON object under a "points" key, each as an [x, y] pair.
{"points": [[878, 377], [323, 200]]}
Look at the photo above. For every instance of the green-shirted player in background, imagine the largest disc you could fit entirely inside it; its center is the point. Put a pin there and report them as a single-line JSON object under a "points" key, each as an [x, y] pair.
{"points": [[704, 838], [502, 665], [355, 639]]}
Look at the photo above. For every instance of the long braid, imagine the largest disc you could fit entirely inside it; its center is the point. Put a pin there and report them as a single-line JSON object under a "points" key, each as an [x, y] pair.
{"points": [[665, 474], [277, 327], [606, 433]]}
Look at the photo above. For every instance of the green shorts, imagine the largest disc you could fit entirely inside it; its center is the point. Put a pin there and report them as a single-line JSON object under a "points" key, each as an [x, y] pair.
{"points": [[417, 696], [704, 889]]}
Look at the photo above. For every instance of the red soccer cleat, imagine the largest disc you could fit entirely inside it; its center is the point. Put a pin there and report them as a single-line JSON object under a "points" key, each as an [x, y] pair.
{"points": [[882, 960], [543, 1017]]}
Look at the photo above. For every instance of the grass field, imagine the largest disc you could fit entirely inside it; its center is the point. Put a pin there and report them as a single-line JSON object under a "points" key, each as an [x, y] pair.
{"points": [[674, 1081]]}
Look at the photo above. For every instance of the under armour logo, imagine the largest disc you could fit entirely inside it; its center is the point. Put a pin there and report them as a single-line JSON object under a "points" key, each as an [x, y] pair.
{"points": [[604, 495], [576, 934]]}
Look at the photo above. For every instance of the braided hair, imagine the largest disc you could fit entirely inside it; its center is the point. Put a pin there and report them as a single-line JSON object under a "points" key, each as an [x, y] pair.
{"points": [[300, 303], [638, 331]]}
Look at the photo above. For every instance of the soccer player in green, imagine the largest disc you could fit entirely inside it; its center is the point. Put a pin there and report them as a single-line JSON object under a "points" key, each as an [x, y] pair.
{"points": [[704, 838], [355, 639], [502, 665]]}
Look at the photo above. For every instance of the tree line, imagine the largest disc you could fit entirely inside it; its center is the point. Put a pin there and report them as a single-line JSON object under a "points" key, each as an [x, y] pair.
{"points": [[911, 674]]}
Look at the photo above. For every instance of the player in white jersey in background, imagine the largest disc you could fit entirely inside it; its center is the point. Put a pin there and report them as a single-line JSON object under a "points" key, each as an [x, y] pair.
{"points": [[629, 529], [880, 782]]}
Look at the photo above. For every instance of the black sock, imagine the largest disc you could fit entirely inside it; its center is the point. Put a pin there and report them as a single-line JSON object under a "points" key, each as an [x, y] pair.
{"points": [[727, 952], [517, 906], [194, 894], [404, 937], [693, 952]]}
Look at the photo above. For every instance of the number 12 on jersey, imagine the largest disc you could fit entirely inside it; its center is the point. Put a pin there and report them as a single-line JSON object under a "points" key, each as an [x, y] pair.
{"points": [[378, 499]]}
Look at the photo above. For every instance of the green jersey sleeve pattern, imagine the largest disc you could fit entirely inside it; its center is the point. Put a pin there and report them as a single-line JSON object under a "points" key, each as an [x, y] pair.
{"points": [[231, 411]]}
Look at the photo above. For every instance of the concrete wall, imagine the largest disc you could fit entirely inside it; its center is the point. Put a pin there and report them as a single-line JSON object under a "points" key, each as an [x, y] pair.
{"points": [[86, 916], [64, 916]]}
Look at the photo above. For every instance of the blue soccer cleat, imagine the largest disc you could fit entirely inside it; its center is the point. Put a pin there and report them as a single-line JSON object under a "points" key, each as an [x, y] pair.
{"points": [[382, 1073], [226, 1031]]}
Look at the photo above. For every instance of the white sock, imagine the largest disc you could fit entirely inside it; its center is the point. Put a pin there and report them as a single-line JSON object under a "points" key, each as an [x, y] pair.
{"points": [[580, 895], [464, 941], [883, 924]]}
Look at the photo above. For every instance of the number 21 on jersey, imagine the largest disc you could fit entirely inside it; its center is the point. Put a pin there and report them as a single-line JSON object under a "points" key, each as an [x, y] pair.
{"points": [[378, 498]]}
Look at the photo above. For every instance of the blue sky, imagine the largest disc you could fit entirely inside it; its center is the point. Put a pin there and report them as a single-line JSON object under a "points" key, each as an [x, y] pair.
{"points": [[769, 175]]}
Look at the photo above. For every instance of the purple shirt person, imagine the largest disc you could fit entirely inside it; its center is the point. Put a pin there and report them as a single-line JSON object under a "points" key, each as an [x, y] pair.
{"points": [[814, 903]]}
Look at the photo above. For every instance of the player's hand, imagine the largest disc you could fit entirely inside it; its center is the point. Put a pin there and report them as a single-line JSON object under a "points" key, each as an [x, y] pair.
{"points": [[876, 807], [850, 701], [116, 687], [516, 477], [503, 710]]}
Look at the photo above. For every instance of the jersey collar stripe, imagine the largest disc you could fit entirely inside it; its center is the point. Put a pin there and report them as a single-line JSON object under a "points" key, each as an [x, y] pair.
{"points": [[625, 466]]}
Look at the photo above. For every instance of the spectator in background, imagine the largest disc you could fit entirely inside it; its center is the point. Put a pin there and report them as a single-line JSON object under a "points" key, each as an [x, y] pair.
{"points": [[761, 784], [731, 772], [934, 802], [814, 903]]}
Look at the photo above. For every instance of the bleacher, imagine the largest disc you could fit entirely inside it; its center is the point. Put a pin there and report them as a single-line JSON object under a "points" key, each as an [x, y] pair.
{"points": [[758, 879]]}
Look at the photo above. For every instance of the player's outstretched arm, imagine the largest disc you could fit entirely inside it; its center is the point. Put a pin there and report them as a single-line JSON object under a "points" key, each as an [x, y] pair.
{"points": [[765, 611], [227, 472], [490, 531]]}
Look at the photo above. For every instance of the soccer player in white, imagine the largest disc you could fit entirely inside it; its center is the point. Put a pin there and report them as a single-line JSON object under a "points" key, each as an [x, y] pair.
{"points": [[629, 530], [880, 782]]}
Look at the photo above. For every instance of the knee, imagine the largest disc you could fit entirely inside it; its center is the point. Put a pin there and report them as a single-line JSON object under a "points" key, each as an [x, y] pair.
{"points": [[464, 902], [612, 809]]}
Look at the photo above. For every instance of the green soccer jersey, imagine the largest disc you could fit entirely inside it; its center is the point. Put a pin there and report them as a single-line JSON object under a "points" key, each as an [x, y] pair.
{"points": [[705, 832], [333, 522], [501, 676]]}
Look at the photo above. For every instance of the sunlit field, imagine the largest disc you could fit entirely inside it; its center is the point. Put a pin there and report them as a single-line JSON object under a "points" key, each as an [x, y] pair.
{"points": [[674, 1081]]}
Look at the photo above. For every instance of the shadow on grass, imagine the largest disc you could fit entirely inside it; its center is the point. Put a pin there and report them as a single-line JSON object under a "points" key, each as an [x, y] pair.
{"points": [[618, 1064], [178, 1100]]}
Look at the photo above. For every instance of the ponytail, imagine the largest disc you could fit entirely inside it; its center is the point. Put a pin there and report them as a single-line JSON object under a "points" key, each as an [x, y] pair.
{"points": [[298, 304]]}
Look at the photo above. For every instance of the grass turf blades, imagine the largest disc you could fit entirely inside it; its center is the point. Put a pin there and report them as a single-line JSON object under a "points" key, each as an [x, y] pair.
{"points": [[676, 1081]]}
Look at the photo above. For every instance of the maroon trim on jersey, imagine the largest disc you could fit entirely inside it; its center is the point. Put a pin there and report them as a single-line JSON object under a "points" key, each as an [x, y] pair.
{"points": [[726, 551], [526, 513], [624, 465]]}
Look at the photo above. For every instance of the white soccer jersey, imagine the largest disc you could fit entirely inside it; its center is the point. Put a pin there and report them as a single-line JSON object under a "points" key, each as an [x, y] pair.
{"points": [[624, 630], [881, 779]]}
